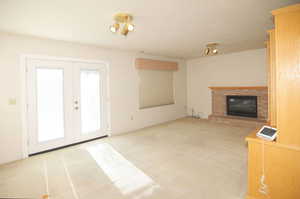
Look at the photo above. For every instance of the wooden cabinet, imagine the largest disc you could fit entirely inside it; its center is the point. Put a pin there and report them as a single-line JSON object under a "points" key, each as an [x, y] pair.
{"points": [[287, 38], [282, 169], [279, 161]]}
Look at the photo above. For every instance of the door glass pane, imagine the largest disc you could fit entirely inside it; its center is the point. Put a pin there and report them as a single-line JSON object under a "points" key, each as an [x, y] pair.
{"points": [[90, 100], [50, 104]]}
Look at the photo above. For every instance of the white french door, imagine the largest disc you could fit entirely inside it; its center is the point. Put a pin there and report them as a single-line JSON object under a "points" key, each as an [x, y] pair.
{"points": [[66, 103]]}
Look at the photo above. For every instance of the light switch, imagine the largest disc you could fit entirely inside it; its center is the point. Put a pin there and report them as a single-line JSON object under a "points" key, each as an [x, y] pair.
{"points": [[12, 101]]}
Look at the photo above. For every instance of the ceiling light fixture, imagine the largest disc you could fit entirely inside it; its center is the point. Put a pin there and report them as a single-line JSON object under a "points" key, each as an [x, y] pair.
{"points": [[211, 49], [130, 27], [114, 28], [123, 21]]}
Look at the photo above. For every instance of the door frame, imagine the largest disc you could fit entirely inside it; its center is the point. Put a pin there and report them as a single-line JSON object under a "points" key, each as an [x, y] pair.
{"points": [[24, 96]]}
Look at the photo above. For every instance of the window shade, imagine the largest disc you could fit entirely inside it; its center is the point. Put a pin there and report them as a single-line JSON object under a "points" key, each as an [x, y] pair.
{"points": [[155, 88], [150, 64]]}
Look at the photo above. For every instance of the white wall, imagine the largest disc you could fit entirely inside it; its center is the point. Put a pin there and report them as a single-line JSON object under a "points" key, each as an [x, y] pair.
{"points": [[247, 68], [123, 88]]}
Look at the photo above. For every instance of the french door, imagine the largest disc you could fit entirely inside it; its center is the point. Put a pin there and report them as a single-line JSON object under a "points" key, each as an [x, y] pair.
{"points": [[66, 103]]}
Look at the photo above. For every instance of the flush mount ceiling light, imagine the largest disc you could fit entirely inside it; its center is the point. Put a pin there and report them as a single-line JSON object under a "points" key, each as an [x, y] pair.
{"points": [[211, 49], [123, 22]]}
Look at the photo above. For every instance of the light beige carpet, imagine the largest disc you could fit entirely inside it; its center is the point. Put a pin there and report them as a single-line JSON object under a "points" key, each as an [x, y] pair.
{"points": [[186, 158]]}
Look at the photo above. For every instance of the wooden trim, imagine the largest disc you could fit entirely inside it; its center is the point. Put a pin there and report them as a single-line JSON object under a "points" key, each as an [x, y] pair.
{"points": [[238, 88], [271, 62], [149, 64], [269, 76], [292, 8]]}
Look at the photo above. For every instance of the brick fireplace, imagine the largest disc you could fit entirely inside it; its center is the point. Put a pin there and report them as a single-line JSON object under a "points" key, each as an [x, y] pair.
{"points": [[219, 105]]}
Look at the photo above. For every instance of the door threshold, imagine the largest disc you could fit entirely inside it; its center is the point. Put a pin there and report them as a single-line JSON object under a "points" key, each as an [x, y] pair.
{"points": [[69, 145]]}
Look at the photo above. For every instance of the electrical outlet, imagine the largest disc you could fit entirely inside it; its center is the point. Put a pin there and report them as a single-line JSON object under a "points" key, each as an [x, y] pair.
{"points": [[131, 118]]}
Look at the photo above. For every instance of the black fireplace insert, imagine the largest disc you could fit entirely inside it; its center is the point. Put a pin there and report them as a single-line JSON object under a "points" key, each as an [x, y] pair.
{"points": [[240, 105]]}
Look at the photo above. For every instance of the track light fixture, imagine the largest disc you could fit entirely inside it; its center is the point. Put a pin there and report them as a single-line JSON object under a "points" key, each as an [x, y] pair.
{"points": [[123, 22], [211, 49]]}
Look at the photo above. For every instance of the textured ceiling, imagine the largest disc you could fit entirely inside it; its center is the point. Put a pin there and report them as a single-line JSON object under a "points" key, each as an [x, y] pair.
{"points": [[175, 28]]}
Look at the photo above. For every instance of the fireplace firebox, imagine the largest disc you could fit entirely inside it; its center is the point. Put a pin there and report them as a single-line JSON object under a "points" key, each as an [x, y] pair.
{"points": [[240, 105]]}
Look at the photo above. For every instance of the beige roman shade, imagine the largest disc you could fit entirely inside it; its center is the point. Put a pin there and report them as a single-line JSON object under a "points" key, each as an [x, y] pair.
{"points": [[155, 82], [150, 64]]}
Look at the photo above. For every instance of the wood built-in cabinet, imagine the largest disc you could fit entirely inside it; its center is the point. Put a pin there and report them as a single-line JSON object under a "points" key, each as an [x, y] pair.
{"points": [[287, 38], [280, 159]]}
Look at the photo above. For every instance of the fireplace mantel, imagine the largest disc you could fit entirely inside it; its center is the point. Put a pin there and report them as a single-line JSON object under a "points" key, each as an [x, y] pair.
{"points": [[238, 87]]}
